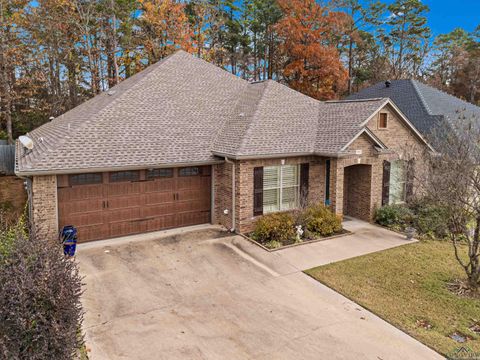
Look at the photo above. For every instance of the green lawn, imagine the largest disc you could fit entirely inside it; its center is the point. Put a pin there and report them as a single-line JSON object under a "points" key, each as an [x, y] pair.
{"points": [[407, 287]]}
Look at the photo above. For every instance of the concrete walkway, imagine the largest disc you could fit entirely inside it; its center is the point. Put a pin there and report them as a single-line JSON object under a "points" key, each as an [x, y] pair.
{"points": [[205, 295], [365, 238]]}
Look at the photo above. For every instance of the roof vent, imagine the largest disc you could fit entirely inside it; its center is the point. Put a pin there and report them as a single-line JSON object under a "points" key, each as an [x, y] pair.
{"points": [[111, 92], [387, 83], [51, 118]]}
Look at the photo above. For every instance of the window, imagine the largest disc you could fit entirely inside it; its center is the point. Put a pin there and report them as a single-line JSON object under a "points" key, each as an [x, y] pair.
{"points": [[159, 173], [189, 171], [398, 181], [383, 121], [85, 179], [280, 188], [121, 176]]}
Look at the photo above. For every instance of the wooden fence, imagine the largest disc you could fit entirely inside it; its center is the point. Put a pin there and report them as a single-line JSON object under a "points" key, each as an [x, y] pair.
{"points": [[7, 159]]}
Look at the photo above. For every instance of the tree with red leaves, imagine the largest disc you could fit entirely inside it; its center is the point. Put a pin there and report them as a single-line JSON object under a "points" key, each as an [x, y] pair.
{"points": [[311, 61]]}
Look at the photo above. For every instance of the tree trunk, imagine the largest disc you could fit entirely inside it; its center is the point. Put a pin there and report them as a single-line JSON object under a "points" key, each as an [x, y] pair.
{"points": [[350, 65], [5, 97]]}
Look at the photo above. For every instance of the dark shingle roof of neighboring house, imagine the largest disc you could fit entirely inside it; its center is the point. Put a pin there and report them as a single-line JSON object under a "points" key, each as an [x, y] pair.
{"points": [[426, 107], [183, 110]]}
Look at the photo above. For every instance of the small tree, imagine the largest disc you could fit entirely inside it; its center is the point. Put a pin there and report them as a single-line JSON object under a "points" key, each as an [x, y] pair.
{"points": [[453, 182], [40, 309]]}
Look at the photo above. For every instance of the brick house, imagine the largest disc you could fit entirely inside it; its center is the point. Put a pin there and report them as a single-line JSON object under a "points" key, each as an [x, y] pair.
{"points": [[185, 142]]}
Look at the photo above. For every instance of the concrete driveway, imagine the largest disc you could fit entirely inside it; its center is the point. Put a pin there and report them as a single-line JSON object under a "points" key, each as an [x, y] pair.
{"points": [[204, 295]]}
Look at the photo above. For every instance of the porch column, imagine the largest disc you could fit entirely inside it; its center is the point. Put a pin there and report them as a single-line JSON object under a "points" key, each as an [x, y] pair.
{"points": [[336, 185]]}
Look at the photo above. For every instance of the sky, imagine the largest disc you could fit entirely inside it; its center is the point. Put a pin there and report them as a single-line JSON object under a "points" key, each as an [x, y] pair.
{"points": [[446, 15]]}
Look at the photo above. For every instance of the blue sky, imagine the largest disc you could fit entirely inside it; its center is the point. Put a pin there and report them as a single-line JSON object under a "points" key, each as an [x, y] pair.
{"points": [[446, 15]]}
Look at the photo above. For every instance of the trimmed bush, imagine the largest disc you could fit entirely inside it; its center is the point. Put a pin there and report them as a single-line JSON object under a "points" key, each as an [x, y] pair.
{"points": [[429, 220], [277, 227], [320, 220], [40, 309], [394, 216]]}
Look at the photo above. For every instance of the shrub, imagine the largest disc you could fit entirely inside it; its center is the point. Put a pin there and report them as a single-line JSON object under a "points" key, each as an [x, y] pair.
{"points": [[320, 220], [394, 216], [40, 310], [277, 227], [429, 219]]}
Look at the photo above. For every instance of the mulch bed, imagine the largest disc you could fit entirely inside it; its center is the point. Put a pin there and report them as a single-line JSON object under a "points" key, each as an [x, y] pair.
{"points": [[341, 233]]}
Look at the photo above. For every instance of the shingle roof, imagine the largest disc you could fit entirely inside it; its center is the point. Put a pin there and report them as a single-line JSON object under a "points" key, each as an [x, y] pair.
{"points": [[340, 121], [186, 110], [168, 113], [426, 107]]}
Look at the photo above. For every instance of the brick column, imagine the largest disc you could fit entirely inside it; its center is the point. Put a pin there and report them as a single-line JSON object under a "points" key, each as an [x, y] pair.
{"points": [[336, 186], [44, 206]]}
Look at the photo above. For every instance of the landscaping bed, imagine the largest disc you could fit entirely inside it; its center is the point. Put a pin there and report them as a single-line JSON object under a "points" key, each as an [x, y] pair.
{"points": [[279, 230], [409, 287]]}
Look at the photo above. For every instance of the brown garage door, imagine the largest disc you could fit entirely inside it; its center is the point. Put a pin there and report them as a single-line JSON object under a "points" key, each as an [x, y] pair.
{"points": [[106, 205]]}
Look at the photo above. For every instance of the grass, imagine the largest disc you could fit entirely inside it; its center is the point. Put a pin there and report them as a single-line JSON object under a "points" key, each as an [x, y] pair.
{"points": [[406, 286]]}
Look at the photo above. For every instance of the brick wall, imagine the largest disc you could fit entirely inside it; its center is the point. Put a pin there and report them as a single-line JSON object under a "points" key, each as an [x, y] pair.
{"points": [[223, 194], [12, 193], [44, 206], [245, 219]]}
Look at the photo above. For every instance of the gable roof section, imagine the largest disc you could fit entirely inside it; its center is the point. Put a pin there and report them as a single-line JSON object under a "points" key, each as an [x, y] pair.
{"points": [[270, 119], [426, 107], [184, 110], [168, 113], [340, 122]]}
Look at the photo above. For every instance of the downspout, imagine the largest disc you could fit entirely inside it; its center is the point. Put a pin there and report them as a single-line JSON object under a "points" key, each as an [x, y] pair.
{"points": [[28, 188], [233, 193]]}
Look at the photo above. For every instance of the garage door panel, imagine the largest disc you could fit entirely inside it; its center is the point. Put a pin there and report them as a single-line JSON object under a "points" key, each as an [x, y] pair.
{"points": [[194, 195], [194, 205], [162, 222], [159, 198], [84, 219], [193, 182], [81, 206], [124, 214], [93, 232], [158, 210], [127, 228], [124, 188], [192, 218], [80, 193], [162, 185], [127, 201]]}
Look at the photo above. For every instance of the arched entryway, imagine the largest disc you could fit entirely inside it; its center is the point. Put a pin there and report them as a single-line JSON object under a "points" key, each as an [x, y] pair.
{"points": [[357, 191]]}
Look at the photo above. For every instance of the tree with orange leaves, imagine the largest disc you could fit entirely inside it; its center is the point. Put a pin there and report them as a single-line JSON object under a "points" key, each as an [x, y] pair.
{"points": [[165, 28], [311, 61]]}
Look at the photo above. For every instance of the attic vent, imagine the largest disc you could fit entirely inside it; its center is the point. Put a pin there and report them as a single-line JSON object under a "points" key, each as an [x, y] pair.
{"points": [[387, 83]]}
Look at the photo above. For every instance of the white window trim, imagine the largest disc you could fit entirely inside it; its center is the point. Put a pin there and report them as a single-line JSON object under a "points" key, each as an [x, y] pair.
{"points": [[280, 188]]}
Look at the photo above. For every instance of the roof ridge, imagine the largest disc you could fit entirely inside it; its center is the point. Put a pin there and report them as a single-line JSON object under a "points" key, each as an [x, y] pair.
{"points": [[465, 102], [352, 100], [254, 113], [420, 95]]}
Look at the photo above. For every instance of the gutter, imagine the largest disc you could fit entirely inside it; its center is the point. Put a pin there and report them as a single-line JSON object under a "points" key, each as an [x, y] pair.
{"points": [[276, 156], [233, 193], [22, 174]]}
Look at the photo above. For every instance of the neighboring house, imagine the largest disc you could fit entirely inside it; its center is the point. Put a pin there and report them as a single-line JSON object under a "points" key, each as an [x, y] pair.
{"points": [[166, 147], [426, 107]]}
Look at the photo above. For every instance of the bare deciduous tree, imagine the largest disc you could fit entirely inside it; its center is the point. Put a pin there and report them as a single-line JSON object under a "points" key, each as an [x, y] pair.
{"points": [[453, 182]]}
